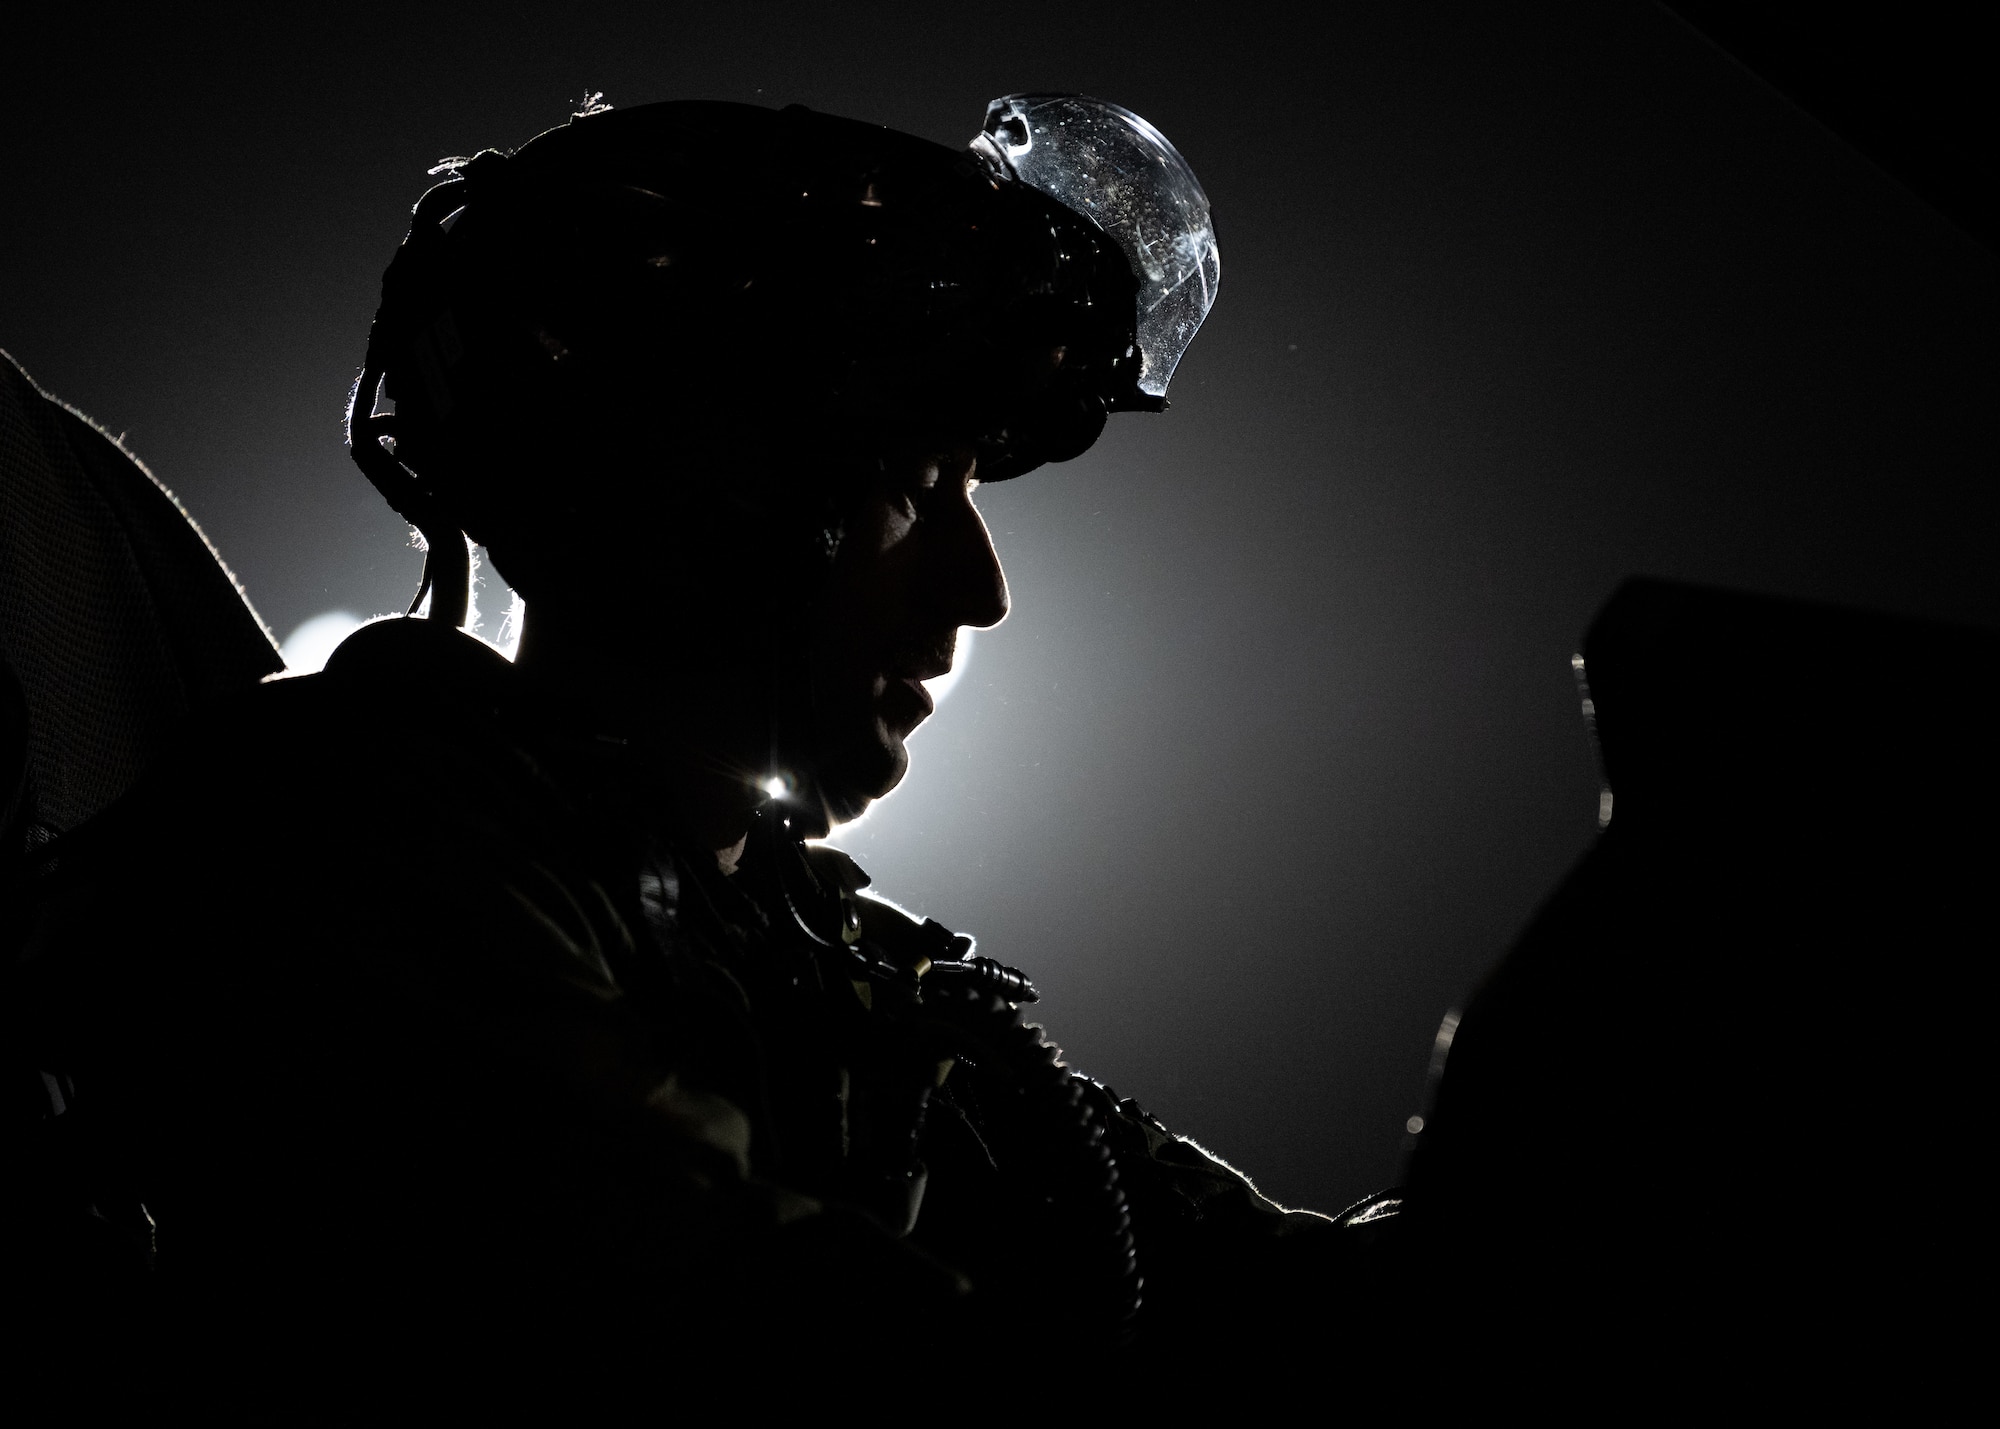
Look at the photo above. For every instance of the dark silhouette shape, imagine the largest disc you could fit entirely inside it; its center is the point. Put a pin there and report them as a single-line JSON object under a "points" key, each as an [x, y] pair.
{"points": [[1656, 1138]]}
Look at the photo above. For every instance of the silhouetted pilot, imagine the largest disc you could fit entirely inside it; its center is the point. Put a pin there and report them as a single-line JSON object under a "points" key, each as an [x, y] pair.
{"points": [[465, 1023]]}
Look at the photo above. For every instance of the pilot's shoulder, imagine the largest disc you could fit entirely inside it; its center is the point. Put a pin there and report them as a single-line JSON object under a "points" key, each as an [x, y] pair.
{"points": [[399, 742]]}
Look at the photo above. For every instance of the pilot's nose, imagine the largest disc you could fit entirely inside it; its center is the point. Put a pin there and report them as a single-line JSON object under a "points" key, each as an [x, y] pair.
{"points": [[972, 574], [983, 581]]}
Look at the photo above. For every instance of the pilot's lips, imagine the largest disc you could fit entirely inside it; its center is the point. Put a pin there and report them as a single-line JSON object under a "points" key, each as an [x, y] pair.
{"points": [[909, 673], [916, 686], [910, 678]]}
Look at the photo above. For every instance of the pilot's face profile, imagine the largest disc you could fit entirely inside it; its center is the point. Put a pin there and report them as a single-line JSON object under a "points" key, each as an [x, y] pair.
{"points": [[915, 563]]}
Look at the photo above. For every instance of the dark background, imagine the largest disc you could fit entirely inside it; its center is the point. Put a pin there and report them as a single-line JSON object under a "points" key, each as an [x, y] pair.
{"points": [[1281, 744]]}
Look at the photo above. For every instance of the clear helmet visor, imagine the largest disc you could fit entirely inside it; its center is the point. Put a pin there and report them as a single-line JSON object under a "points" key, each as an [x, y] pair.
{"points": [[1109, 164]]}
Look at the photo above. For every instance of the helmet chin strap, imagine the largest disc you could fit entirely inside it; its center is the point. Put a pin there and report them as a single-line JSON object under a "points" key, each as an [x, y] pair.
{"points": [[447, 578], [372, 433]]}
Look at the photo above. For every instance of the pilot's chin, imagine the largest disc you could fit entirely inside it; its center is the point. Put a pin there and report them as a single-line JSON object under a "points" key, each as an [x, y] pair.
{"points": [[847, 799]]}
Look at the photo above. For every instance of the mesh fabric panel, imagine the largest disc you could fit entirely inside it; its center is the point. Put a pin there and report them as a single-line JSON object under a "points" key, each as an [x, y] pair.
{"points": [[116, 615]]}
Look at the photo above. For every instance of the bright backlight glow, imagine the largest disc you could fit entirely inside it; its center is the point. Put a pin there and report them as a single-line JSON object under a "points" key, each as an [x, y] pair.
{"points": [[306, 649]]}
